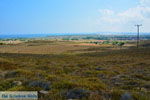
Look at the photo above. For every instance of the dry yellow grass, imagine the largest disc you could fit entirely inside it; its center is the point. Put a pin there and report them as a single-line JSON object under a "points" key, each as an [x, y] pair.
{"points": [[48, 47]]}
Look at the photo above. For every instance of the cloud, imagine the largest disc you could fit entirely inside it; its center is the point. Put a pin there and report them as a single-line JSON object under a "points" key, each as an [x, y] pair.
{"points": [[145, 2], [123, 21], [106, 12]]}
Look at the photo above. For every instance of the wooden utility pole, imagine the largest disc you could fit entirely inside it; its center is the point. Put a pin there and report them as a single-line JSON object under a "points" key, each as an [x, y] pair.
{"points": [[138, 34]]}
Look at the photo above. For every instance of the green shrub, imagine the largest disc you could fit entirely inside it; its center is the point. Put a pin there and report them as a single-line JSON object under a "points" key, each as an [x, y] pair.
{"points": [[4, 85], [2, 43], [64, 84], [106, 42], [117, 43]]}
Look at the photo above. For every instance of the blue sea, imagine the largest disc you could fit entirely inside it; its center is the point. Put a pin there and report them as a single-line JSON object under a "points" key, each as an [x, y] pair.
{"points": [[11, 36]]}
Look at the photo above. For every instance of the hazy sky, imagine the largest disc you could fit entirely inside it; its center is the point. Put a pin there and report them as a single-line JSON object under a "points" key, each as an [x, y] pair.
{"points": [[63, 16]]}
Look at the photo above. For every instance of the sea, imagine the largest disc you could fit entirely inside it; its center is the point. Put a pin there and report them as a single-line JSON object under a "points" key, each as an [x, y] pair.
{"points": [[11, 36]]}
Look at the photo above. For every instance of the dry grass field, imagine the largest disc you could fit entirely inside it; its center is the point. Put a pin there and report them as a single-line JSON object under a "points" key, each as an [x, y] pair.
{"points": [[63, 70], [48, 47], [42, 47]]}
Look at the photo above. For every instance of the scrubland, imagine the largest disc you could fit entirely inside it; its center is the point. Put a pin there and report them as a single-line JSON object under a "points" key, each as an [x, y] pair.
{"points": [[61, 70]]}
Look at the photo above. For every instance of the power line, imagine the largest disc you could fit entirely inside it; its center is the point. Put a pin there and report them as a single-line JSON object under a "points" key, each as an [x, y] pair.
{"points": [[138, 34]]}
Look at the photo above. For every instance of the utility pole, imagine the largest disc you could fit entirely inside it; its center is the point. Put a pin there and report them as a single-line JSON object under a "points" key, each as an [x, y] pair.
{"points": [[138, 34]]}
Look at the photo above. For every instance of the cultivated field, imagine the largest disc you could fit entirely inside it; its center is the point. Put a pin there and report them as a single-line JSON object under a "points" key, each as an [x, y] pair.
{"points": [[77, 69]]}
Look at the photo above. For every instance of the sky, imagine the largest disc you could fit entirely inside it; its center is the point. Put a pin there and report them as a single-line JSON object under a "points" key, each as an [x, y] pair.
{"points": [[73, 16]]}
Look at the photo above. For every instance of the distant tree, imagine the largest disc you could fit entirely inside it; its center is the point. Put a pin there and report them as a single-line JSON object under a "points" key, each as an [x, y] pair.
{"points": [[106, 42], [120, 44], [1, 43], [67, 39], [96, 42], [116, 43], [74, 39]]}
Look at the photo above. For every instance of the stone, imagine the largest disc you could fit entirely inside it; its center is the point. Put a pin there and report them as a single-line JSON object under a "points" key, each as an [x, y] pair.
{"points": [[77, 94], [43, 92], [126, 96], [99, 69], [38, 83], [17, 83]]}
